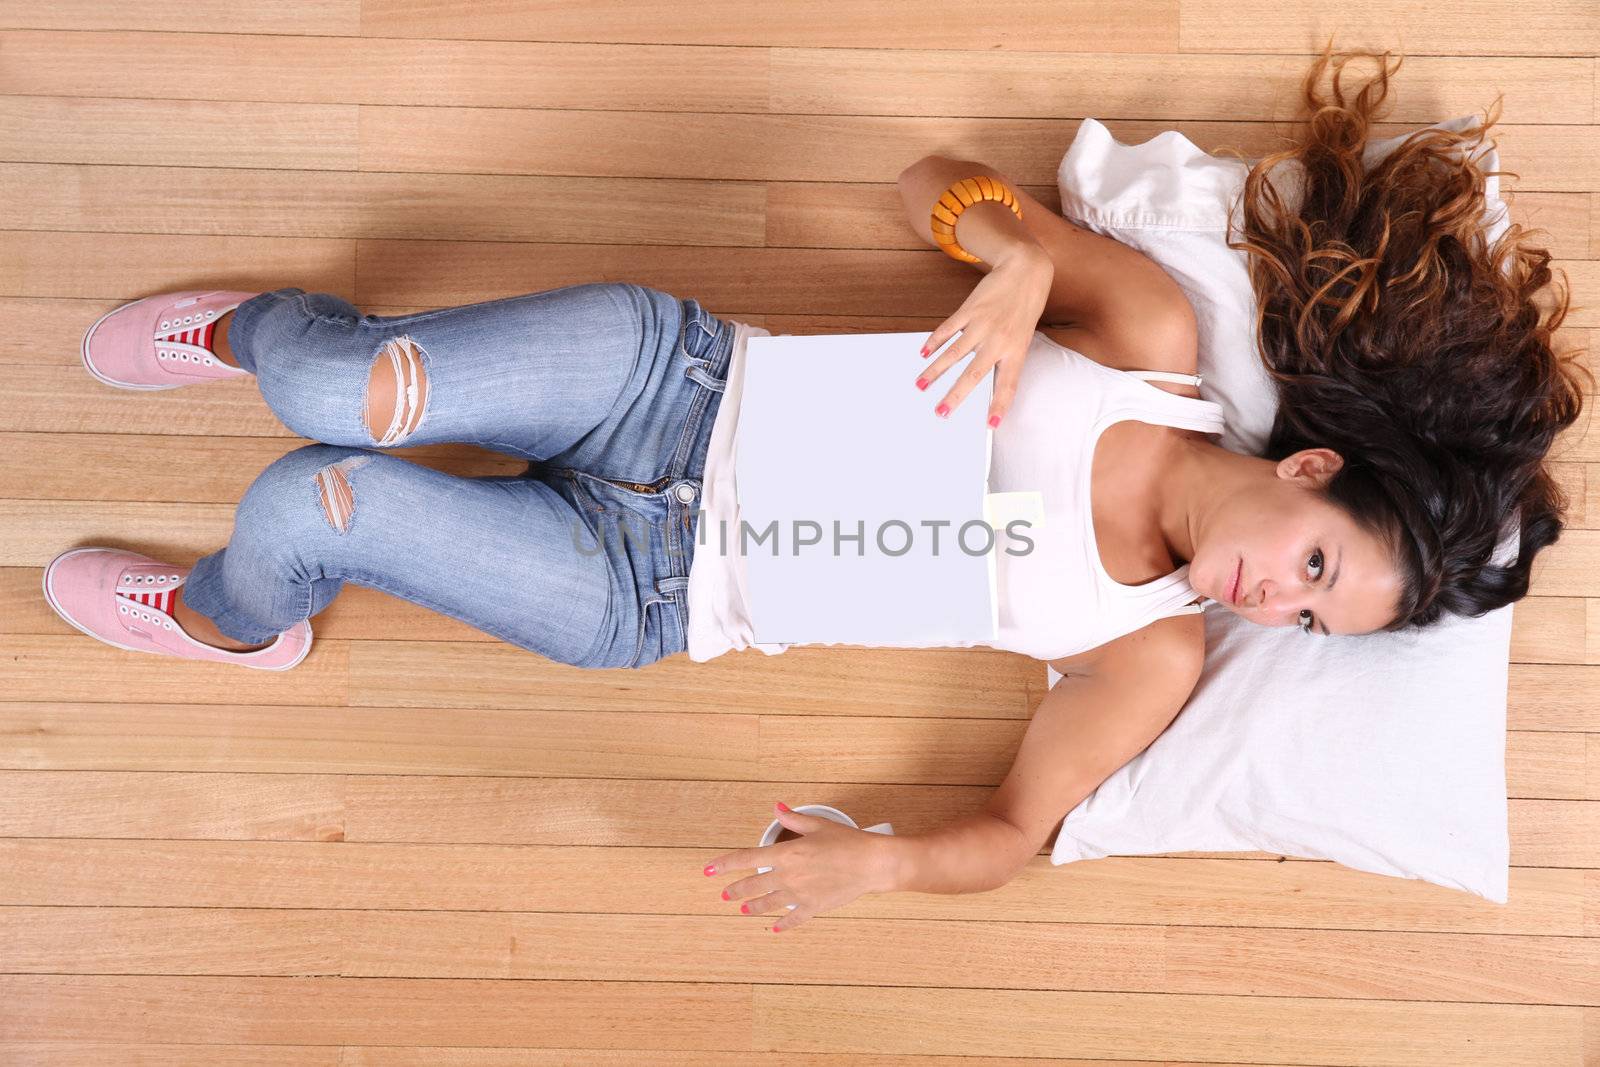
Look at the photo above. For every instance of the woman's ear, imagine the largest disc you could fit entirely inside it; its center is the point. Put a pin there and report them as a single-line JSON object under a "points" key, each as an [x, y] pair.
{"points": [[1317, 464]]}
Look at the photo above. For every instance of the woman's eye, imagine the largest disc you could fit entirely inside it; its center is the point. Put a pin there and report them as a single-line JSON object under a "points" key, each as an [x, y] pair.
{"points": [[1318, 563]]}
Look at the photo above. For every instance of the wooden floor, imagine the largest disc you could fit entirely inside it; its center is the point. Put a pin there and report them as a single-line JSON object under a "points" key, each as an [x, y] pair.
{"points": [[424, 846]]}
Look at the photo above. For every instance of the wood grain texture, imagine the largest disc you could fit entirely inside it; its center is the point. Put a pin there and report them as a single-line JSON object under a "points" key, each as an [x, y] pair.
{"points": [[1466, 27], [426, 848]]}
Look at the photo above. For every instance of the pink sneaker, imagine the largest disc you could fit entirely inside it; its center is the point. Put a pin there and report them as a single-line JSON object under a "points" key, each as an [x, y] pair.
{"points": [[161, 342], [123, 599]]}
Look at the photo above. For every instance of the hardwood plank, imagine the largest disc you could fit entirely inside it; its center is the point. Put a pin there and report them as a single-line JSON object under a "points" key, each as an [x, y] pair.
{"points": [[1594, 198], [1544, 629], [1571, 566], [840, 148], [1084, 25], [92, 1054], [59, 129], [242, 807], [1233, 892], [303, 16], [340, 1010], [127, 266], [793, 1018], [425, 1057], [237, 66], [1555, 833], [86, 667], [330, 204], [1357, 965], [1553, 766], [544, 73], [1164, 87], [1553, 696], [1468, 27], [783, 1017]]}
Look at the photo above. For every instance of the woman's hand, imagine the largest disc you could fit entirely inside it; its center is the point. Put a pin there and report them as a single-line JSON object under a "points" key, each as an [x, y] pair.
{"points": [[997, 321], [826, 868]]}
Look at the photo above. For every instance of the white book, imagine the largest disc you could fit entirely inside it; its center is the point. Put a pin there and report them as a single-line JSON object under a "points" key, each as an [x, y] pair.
{"points": [[863, 513]]}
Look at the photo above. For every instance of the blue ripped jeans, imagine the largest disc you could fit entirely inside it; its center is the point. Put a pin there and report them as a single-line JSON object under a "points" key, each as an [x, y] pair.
{"points": [[609, 389]]}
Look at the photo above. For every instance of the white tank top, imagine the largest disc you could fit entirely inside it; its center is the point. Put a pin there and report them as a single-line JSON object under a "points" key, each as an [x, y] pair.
{"points": [[1057, 599]]}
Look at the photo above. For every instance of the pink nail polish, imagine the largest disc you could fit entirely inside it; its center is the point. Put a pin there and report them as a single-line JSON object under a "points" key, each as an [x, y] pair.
{"points": [[724, 894], [745, 908], [711, 868], [942, 410], [922, 383], [924, 349], [994, 420], [776, 930], [782, 806]]}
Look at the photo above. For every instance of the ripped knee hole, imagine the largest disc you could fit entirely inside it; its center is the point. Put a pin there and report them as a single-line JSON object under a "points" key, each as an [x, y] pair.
{"points": [[338, 499], [398, 385]]}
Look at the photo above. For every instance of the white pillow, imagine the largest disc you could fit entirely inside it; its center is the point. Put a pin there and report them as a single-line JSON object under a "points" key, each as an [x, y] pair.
{"points": [[1385, 753]]}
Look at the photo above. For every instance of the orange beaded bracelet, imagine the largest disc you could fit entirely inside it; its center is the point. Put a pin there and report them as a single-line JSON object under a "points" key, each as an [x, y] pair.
{"points": [[956, 199]]}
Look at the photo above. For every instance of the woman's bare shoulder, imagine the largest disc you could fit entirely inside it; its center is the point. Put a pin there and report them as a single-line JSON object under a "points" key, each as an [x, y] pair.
{"points": [[1174, 646]]}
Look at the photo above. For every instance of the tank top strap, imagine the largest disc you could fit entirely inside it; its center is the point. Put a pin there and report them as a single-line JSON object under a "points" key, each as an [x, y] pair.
{"points": [[1167, 376], [1169, 408], [1187, 608]]}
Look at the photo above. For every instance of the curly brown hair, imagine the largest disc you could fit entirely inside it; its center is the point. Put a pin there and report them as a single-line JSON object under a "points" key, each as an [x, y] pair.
{"points": [[1402, 339]]}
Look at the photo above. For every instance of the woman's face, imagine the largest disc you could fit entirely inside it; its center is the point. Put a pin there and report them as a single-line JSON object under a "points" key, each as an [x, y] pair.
{"points": [[1302, 558]]}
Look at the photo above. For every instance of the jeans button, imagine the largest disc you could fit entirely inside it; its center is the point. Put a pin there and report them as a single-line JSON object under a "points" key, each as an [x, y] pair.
{"points": [[684, 492]]}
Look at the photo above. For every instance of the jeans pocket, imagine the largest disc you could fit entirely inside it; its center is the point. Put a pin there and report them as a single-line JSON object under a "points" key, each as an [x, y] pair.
{"points": [[698, 338], [644, 616]]}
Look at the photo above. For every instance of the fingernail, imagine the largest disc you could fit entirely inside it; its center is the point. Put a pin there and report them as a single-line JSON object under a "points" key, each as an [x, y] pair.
{"points": [[782, 806], [711, 869], [942, 410], [924, 349], [724, 894], [922, 383], [994, 420], [745, 908], [777, 930]]}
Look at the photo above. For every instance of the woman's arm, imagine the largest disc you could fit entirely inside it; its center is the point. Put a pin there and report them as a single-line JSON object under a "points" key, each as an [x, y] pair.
{"points": [[1120, 307], [1086, 727]]}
